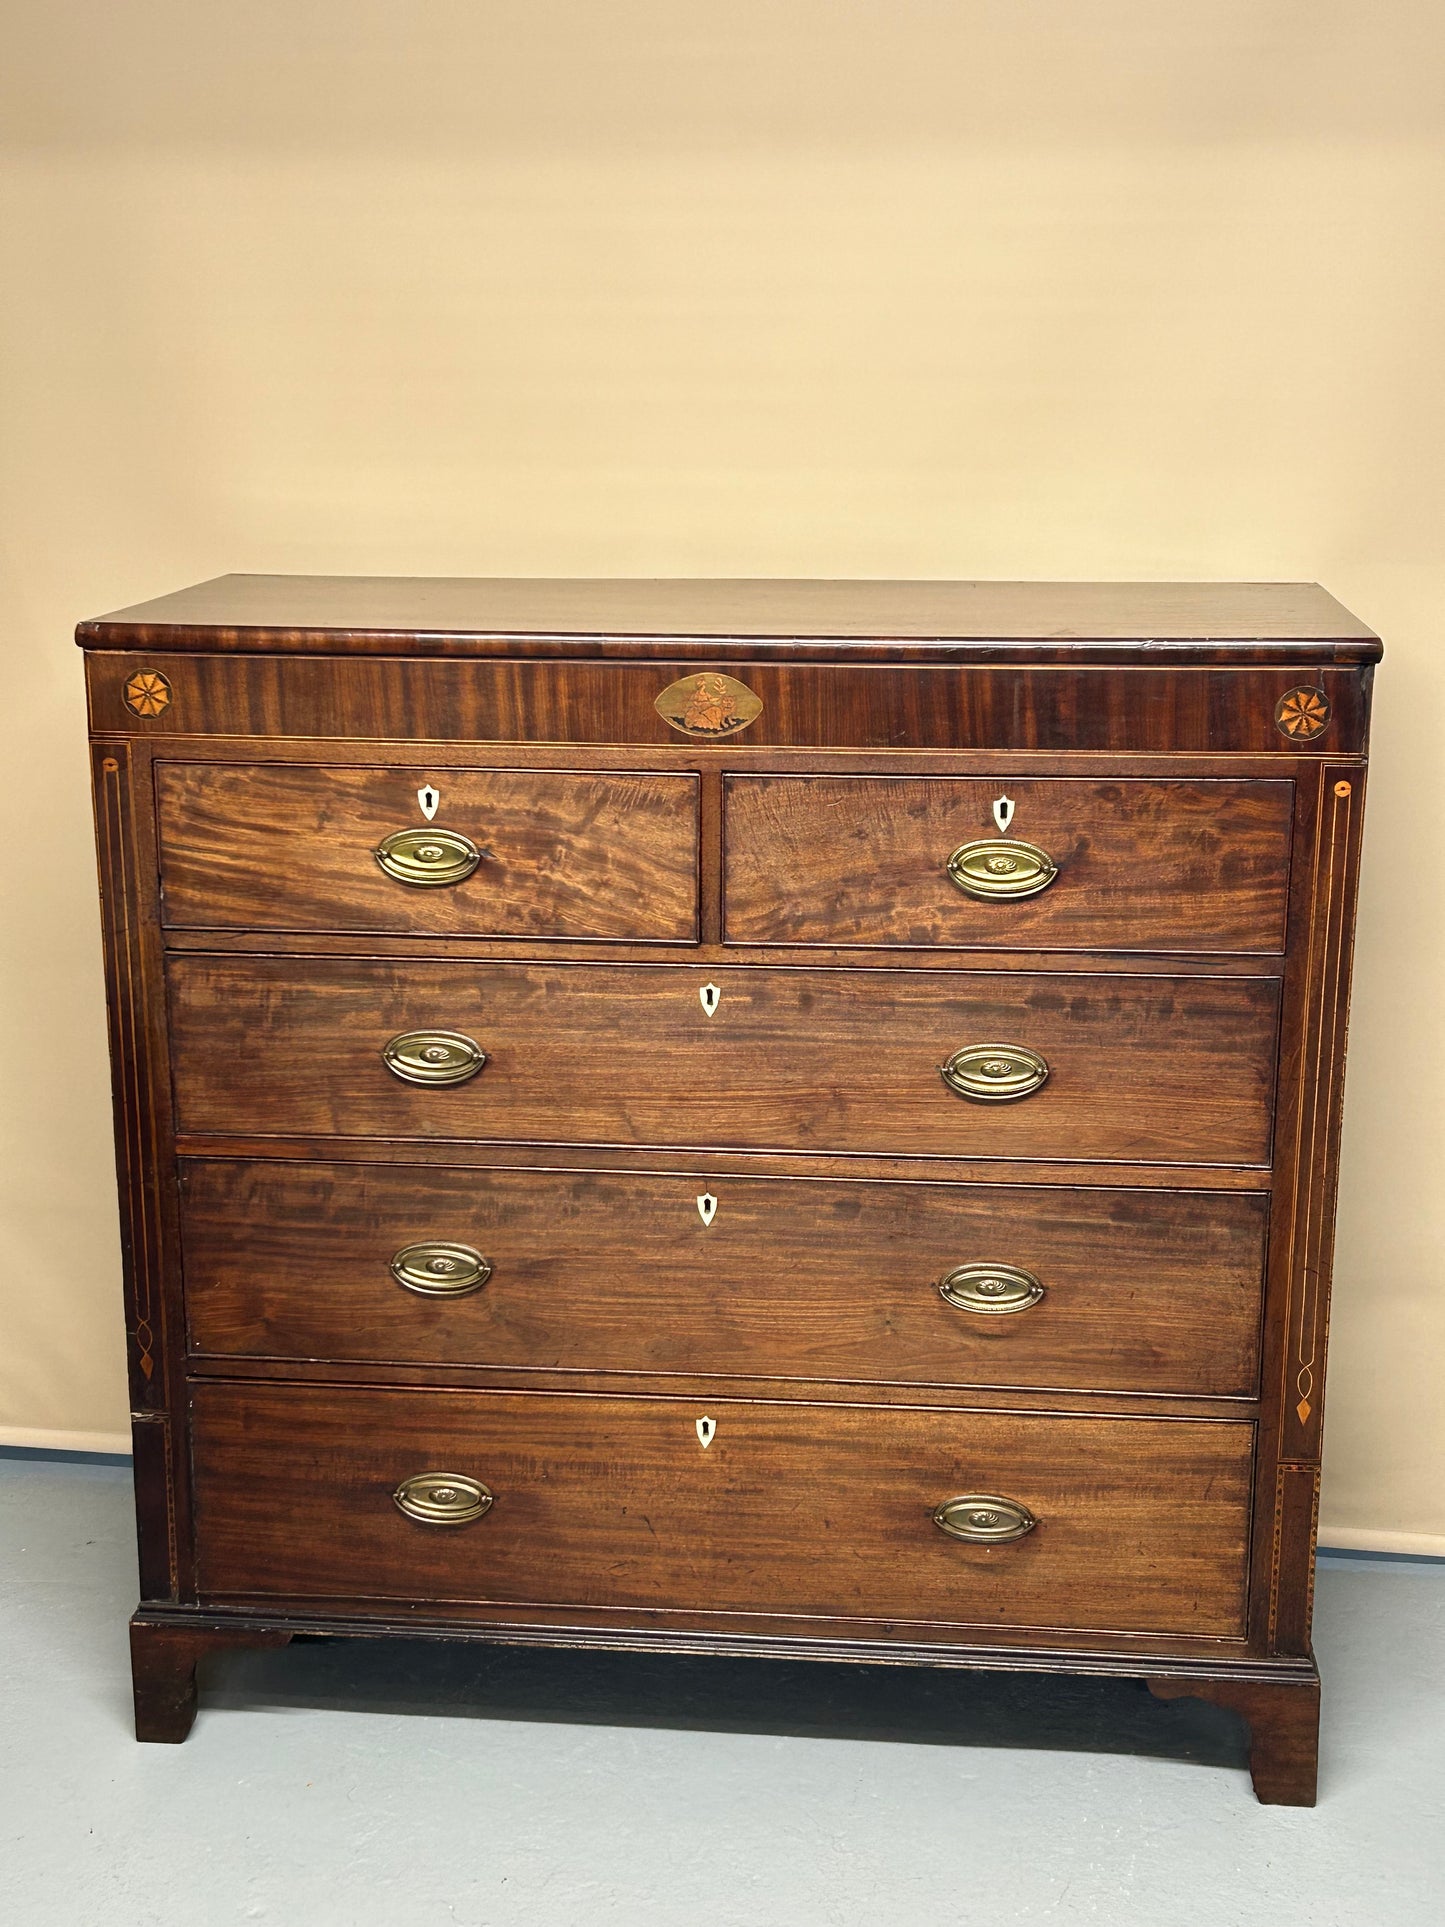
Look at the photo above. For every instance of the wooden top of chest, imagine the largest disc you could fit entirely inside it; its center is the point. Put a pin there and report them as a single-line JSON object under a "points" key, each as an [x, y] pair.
{"points": [[1246, 623]]}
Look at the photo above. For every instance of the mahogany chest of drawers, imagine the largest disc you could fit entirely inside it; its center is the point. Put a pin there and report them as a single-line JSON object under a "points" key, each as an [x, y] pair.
{"points": [[780, 1118]]}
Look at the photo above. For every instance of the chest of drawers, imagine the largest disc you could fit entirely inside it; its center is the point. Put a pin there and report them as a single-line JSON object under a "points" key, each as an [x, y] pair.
{"points": [[779, 1118]]}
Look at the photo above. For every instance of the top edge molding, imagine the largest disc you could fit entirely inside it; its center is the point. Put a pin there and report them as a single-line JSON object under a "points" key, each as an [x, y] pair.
{"points": [[1246, 623]]}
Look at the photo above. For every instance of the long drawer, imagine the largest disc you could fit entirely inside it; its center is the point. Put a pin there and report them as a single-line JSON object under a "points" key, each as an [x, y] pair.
{"points": [[1060, 862], [1151, 1291], [824, 1510], [506, 852], [1139, 1068]]}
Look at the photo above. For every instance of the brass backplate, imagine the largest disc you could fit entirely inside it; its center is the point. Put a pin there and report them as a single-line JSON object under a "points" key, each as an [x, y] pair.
{"points": [[990, 1288], [439, 1269], [1000, 867], [442, 1498], [433, 1057], [984, 1519], [427, 858], [995, 1073]]}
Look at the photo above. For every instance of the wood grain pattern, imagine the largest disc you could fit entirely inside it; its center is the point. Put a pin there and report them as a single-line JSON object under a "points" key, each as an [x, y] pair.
{"points": [[302, 944], [1283, 1716], [1158, 866], [708, 1385], [854, 706], [481, 1155], [591, 1272], [145, 1166], [1316, 1079], [156, 1549], [271, 847], [1313, 1027], [434, 613], [164, 1658], [1164, 1424], [792, 1508], [130, 1002], [1090, 1654], [1292, 1564], [1157, 1069]]}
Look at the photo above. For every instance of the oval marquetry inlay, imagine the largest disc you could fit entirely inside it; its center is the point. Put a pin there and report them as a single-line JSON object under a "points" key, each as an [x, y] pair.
{"points": [[710, 704]]}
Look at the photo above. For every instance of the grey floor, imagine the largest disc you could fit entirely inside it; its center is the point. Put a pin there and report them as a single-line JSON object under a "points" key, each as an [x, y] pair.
{"points": [[340, 1785]]}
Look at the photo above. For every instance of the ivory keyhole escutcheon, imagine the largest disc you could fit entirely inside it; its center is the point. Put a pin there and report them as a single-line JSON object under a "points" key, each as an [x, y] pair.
{"points": [[1003, 813], [709, 997], [429, 801], [706, 1428], [707, 1207]]}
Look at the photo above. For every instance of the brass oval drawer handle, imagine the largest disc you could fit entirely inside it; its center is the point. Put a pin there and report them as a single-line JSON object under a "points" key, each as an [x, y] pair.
{"points": [[442, 1498], [428, 857], [991, 1288], [984, 1519], [440, 1270], [1001, 866], [994, 1072], [433, 1057]]}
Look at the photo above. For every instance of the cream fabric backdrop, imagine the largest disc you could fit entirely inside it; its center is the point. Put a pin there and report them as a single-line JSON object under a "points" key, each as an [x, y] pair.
{"points": [[806, 287]]}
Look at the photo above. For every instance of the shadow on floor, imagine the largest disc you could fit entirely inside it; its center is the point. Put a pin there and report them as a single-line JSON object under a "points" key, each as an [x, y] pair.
{"points": [[919, 1705]]}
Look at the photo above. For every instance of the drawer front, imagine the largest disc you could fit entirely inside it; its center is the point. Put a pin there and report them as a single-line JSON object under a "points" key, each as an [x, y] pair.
{"points": [[837, 705], [519, 853], [1154, 1291], [1151, 866], [1141, 1524], [1151, 1069]]}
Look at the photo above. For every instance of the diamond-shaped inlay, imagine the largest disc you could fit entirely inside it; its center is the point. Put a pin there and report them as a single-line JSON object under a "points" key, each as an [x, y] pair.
{"points": [[1303, 1410]]}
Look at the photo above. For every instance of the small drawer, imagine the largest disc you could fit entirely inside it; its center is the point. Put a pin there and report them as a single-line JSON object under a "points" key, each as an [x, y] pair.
{"points": [[454, 852], [943, 1284], [919, 1063], [1066, 863], [825, 1511]]}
